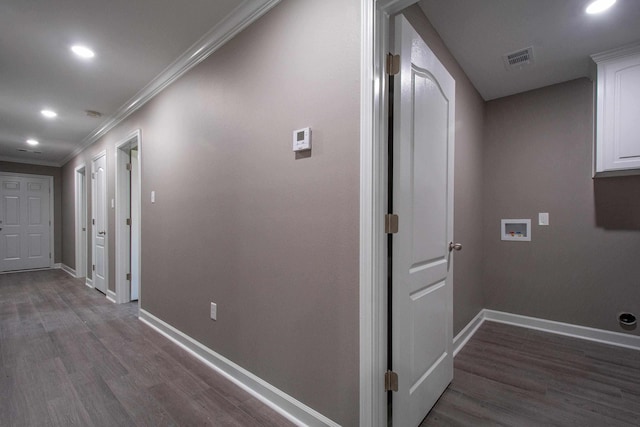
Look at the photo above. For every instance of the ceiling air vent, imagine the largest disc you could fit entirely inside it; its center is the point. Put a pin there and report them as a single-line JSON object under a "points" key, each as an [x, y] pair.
{"points": [[22, 150], [518, 59]]}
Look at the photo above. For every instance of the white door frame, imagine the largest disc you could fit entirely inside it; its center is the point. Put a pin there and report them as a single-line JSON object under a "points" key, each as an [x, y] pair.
{"points": [[81, 191], [375, 16], [51, 209], [106, 223], [123, 209]]}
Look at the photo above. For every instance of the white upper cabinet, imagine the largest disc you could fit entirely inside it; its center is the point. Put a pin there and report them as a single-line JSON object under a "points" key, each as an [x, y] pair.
{"points": [[618, 112]]}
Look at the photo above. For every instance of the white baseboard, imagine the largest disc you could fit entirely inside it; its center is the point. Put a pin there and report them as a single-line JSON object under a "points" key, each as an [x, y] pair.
{"points": [[70, 271], [56, 265], [292, 409], [567, 329], [467, 332], [28, 271], [111, 296], [89, 282]]}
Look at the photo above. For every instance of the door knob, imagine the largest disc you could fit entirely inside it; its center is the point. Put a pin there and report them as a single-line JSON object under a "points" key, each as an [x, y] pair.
{"points": [[455, 246]]}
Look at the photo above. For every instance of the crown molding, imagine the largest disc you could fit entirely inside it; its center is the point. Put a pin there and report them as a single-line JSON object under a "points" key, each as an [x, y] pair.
{"points": [[630, 49], [241, 17]]}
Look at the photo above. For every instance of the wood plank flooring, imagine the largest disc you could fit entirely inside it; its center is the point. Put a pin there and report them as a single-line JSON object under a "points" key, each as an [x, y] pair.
{"points": [[512, 376], [69, 357]]}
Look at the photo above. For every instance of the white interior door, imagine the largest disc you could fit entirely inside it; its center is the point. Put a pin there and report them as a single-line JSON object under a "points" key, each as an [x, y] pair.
{"points": [[25, 222], [135, 226], [99, 228], [422, 317]]}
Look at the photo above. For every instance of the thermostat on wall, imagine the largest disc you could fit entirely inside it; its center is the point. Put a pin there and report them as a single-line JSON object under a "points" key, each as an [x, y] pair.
{"points": [[302, 139]]}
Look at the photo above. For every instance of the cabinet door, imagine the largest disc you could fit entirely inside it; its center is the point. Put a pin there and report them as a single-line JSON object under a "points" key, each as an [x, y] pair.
{"points": [[618, 113]]}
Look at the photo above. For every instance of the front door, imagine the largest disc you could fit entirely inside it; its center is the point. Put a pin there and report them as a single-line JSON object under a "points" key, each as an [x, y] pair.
{"points": [[421, 296], [25, 222], [99, 222]]}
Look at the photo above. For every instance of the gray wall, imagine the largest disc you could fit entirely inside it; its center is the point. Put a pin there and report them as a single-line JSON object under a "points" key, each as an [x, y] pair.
{"points": [[583, 268], [467, 271], [240, 220], [55, 172]]}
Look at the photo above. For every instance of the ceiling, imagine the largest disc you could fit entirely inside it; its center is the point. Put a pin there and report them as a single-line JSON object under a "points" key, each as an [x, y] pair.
{"points": [[141, 45], [479, 32], [138, 45]]}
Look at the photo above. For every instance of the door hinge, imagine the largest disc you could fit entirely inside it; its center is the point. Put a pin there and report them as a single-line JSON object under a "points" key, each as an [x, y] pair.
{"points": [[93, 267], [390, 381], [129, 166], [393, 64], [93, 175], [49, 255], [391, 223], [129, 276], [93, 221], [128, 221]]}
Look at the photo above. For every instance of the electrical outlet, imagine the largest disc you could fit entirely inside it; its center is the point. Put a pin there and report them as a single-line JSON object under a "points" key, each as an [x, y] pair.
{"points": [[214, 311]]}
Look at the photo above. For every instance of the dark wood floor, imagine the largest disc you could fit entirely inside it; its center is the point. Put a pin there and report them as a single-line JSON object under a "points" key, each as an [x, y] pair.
{"points": [[511, 376], [71, 358]]}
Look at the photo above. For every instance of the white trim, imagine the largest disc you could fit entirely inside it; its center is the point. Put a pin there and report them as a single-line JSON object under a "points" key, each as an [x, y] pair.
{"points": [[49, 178], [292, 409], [111, 296], [467, 332], [70, 271], [372, 402], [89, 283], [53, 267], [576, 331], [241, 17], [616, 53], [123, 209], [602, 336], [81, 204]]}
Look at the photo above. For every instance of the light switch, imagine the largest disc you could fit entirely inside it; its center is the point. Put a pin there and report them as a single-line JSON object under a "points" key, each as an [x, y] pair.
{"points": [[153, 197], [543, 218], [214, 311]]}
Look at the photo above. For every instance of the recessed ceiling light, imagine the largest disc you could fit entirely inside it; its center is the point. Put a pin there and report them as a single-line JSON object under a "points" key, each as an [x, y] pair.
{"points": [[49, 114], [599, 6], [82, 51], [32, 142]]}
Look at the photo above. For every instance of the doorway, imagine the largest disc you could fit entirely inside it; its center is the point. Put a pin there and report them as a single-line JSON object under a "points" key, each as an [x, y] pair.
{"points": [[26, 218], [421, 195], [99, 222], [128, 208], [81, 221], [375, 318]]}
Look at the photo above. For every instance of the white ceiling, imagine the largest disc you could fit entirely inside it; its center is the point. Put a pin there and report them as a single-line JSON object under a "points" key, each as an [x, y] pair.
{"points": [[479, 32], [135, 41], [139, 42]]}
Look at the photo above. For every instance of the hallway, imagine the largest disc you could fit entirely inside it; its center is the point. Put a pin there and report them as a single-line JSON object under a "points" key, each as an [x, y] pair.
{"points": [[70, 357]]}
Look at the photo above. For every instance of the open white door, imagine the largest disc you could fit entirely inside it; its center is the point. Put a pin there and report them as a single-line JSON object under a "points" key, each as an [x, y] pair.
{"points": [[25, 222], [423, 139], [135, 226], [99, 227]]}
